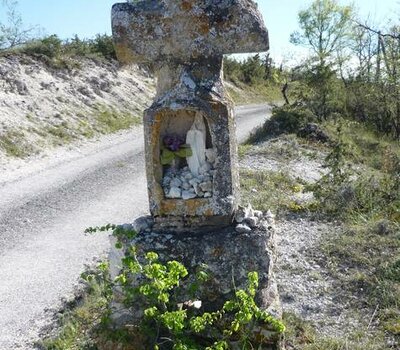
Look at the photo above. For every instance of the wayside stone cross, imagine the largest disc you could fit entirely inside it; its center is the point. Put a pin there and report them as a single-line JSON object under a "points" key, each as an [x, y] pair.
{"points": [[190, 139]]}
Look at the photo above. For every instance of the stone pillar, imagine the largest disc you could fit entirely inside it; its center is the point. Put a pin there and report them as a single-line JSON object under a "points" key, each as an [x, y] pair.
{"points": [[184, 41]]}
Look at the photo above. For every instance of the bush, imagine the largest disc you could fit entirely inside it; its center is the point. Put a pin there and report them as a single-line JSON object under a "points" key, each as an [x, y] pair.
{"points": [[50, 46], [285, 120], [104, 46]]}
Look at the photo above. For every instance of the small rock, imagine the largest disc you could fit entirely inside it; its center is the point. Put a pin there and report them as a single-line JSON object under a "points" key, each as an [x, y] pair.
{"points": [[240, 214], [252, 221], [166, 181], [243, 228], [205, 168], [196, 187], [258, 213], [189, 176], [194, 182], [174, 192], [207, 195], [186, 186], [249, 211], [176, 183], [269, 215], [206, 186], [188, 195], [143, 223], [211, 155]]}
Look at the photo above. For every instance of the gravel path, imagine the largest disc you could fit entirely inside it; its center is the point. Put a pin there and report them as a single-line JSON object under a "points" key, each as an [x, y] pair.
{"points": [[45, 204]]}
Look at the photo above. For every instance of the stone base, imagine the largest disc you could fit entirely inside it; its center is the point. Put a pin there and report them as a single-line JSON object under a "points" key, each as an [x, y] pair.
{"points": [[229, 257], [190, 225]]}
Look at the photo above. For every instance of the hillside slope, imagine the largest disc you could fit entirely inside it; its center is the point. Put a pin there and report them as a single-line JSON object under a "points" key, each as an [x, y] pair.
{"points": [[44, 105]]}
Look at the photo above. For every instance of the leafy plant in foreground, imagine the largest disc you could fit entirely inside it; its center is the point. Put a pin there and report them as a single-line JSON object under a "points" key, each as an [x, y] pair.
{"points": [[171, 322]]}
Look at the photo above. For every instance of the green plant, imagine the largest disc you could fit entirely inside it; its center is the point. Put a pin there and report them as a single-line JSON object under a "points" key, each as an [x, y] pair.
{"points": [[14, 144], [49, 46], [110, 120], [172, 323], [174, 147], [335, 190], [287, 119]]}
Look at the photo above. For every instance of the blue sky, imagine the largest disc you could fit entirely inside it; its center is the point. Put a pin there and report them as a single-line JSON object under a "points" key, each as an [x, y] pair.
{"points": [[89, 17]]}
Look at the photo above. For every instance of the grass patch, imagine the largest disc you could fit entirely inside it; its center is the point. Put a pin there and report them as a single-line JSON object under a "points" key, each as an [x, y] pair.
{"points": [[110, 120], [14, 144], [268, 190], [301, 335], [365, 146], [80, 324], [62, 133], [285, 148], [365, 259], [243, 150]]}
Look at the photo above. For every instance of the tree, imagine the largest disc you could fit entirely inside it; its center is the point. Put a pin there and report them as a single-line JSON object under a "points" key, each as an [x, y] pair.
{"points": [[12, 32], [325, 25], [325, 29]]}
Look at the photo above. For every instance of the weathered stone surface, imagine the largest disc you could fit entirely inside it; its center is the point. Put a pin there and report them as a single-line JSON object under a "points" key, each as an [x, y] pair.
{"points": [[174, 112], [185, 41], [243, 228], [252, 221], [228, 255], [185, 30], [188, 195]]}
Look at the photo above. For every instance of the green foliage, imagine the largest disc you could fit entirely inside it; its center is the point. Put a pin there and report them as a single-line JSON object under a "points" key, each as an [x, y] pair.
{"points": [[102, 45], [286, 119], [253, 79], [172, 323], [58, 52], [110, 120], [352, 194], [168, 156], [12, 31], [50, 47], [330, 86], [14, 144], [324, 27]]}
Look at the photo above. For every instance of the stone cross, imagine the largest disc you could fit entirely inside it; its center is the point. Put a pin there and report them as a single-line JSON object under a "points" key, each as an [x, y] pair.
{"points": [[190, 138]]}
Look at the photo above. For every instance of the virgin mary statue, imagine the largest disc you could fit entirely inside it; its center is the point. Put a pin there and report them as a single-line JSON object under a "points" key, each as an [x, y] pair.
{"points": [[196, 138]]}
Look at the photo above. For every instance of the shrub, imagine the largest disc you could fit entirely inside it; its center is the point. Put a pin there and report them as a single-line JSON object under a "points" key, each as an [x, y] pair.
{"points": [[287, 119], [104, 46], [50, 46]]}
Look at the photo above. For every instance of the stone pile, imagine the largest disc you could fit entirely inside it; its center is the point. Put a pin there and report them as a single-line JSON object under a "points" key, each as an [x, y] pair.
{"points": [[247, 219], [183, 184]]}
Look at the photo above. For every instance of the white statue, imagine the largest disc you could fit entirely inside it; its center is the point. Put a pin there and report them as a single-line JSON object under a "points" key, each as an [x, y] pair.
{"points": [[196, 138]]}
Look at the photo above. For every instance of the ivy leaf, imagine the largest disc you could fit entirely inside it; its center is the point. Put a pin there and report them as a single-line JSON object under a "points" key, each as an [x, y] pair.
{"points": [[167, 156], [184, 152]]}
